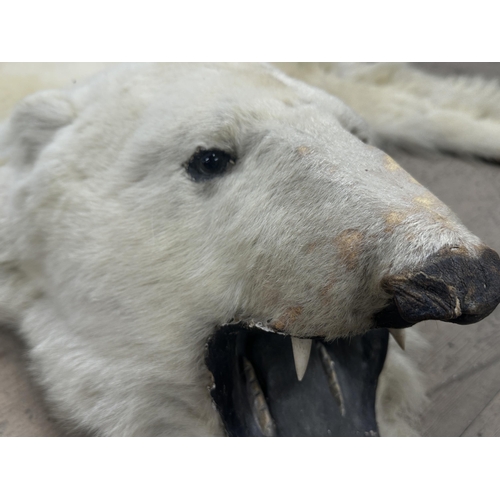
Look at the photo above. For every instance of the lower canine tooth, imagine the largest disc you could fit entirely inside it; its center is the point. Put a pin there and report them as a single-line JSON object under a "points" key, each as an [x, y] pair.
{"points": [[301, 352], [258, 402], [399, 336]]}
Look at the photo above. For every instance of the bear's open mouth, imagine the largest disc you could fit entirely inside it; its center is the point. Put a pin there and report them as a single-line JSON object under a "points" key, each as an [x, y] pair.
{"points": [[257, 391]]}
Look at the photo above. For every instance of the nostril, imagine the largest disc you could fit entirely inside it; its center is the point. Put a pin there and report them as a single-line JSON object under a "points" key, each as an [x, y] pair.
{"points": [[451, 286]]}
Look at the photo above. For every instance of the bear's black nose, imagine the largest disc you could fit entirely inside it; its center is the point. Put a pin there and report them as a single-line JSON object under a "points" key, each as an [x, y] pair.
{"points": [[451, 286]]}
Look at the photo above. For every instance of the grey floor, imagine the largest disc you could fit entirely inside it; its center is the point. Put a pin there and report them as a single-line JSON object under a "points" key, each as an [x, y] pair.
{"points": [[462, 362]]}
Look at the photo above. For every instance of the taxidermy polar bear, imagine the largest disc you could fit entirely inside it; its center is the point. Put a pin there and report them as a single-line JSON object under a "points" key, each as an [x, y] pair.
{"points": [[186, 247]]}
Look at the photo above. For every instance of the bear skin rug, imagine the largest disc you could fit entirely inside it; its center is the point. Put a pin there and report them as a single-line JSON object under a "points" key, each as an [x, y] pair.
{"points": [[225, 249]]}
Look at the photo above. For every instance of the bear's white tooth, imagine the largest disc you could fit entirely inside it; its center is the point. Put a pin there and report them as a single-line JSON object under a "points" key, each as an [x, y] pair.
{"points": [[259, 408], [301, 352], [399, 336]]}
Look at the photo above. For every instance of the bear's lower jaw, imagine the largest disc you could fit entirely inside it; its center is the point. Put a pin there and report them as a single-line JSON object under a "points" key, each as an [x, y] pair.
{"points": [[257, 392]]}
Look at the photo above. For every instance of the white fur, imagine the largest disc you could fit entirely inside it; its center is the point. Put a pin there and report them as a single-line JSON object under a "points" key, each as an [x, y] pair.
{"points": [[117, 267], [406, 106]]}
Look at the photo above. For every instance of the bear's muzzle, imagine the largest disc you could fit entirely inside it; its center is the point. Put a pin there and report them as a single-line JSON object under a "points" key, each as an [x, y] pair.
{"points": [[451, 286]]}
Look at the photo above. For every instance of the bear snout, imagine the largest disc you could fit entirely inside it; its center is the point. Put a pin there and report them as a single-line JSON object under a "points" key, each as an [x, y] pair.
{"points": [[451, 286]]}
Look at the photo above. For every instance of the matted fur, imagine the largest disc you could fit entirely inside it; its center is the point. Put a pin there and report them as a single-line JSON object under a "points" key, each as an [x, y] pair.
{"points": [[116, 266]]}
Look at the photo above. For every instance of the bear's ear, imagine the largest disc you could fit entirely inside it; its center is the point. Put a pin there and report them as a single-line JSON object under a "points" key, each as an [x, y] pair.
{"points": [[34, 123]]}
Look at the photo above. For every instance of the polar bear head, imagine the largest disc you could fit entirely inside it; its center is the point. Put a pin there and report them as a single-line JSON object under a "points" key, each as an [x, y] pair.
{"points": [[153, 204]]}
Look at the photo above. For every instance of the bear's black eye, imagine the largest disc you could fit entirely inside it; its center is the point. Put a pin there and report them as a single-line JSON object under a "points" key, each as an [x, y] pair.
{"points": [[208, 163]]}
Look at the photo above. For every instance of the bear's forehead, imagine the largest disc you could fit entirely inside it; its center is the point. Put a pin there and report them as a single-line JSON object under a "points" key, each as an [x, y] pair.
{"points": [[254, 89], [205, 97], [229, 106]]}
